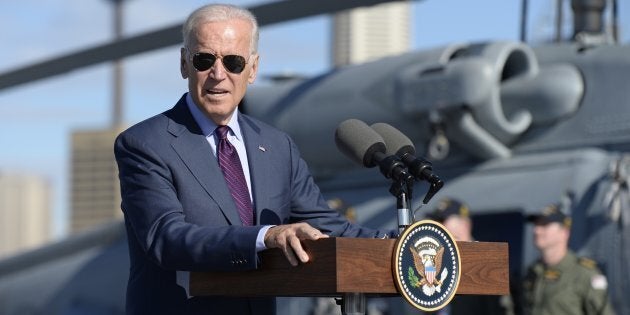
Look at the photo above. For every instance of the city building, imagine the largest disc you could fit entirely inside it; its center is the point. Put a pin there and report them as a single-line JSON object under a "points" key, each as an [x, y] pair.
{"points": [[25, 212], [95, 189], [368, 33]]}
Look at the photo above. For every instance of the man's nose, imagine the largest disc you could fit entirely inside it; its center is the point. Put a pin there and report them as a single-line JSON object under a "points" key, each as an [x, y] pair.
{"points": [[217, 71]]}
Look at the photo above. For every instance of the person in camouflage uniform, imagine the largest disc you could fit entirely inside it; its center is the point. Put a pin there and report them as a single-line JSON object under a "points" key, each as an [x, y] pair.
{"points": [[561, 282]]}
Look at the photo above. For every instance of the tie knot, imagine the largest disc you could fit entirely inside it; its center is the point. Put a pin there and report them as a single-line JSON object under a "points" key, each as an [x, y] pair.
{"points": [[222, 132]]}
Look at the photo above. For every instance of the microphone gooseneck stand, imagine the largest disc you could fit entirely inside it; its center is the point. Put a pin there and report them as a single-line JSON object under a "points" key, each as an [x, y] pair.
{"points": [[402, 189], [354, 303]]}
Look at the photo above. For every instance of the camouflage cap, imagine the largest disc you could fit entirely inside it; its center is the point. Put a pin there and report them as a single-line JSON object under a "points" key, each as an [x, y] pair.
{"points": [[550, 214], [447, 207]]}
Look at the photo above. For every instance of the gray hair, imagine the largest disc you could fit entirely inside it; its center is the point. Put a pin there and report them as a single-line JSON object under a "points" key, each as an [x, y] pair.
{"points": [[219, 12]]}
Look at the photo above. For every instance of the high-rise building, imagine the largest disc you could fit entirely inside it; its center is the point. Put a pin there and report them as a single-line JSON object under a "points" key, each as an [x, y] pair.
{"points": [[364, 34], [24, 212], [95, 190]]}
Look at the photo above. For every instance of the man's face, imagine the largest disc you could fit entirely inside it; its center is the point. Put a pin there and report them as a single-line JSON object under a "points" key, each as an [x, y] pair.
{"points": [[550, 235], [459, 227], [217, 91]]}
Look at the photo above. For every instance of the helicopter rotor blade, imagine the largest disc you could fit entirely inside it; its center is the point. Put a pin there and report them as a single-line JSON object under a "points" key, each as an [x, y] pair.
{"points": [[267, 14]]}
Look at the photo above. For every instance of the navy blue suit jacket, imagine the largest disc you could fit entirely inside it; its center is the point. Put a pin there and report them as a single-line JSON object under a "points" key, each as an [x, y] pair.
{"points": [[180, 215]]}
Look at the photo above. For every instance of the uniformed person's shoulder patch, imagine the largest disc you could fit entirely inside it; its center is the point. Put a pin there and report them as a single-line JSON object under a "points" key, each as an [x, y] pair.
{"points": [[587, 263], [599, 282]]}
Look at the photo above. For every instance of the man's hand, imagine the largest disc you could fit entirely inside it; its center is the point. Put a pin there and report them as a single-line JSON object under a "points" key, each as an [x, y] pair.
{"points": [[287, 237]]}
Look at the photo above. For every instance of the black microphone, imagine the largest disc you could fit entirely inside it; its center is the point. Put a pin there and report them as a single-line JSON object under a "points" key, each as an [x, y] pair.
{"points": [[398, 144], [364, 146]]}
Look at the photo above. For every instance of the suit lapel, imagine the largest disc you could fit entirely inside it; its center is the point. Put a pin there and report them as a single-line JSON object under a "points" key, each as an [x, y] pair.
{"points": [[194, 150], [259, 160]]}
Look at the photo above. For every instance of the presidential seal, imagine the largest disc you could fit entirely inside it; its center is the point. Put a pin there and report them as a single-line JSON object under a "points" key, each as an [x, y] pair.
{"points": [[426, 265]]}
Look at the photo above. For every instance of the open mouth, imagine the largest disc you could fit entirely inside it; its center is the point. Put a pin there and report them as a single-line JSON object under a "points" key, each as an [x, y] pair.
{"points": [[216, 92]]}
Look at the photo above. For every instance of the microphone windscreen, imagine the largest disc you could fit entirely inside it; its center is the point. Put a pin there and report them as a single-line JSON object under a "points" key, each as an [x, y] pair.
{"points": [[395, 141], [359, 142]]}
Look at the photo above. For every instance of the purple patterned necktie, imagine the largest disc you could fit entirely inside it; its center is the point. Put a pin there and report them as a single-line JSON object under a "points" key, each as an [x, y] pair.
{"points": [[233, 172]]}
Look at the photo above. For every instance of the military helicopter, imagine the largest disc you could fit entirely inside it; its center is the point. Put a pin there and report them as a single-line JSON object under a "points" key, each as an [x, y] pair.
{"points": [[509, 128]]}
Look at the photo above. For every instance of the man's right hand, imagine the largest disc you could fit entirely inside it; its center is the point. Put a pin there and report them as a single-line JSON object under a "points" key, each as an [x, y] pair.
{"points": [[288, 238]]}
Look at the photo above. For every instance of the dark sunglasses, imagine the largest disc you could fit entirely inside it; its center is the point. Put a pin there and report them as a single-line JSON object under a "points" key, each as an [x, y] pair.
{"points": [[232, 63]]}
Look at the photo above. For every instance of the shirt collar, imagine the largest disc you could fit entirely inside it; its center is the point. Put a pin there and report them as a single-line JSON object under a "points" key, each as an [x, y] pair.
{"points": [[566, 261], [206, 124]]}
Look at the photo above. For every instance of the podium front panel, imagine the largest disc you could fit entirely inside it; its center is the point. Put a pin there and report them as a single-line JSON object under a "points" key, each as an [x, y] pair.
{"points": [[346, 265]]}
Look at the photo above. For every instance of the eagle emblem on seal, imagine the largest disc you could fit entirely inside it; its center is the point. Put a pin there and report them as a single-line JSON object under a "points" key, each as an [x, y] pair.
{"points": [[427, 258]]}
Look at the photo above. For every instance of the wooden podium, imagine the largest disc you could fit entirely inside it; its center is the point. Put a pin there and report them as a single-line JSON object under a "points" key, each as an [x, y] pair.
{"points": [[339, 266]]}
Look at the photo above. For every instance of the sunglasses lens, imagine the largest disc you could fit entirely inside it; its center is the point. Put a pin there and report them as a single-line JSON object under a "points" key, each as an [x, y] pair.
{"points": [[234, 63], [203, 61]]}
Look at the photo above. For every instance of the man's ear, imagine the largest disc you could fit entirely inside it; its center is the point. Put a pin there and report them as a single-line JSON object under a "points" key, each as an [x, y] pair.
{"points": [[183, 63], [254, 72]]}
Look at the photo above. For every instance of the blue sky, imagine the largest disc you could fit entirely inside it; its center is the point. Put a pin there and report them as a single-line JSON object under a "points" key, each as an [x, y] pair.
{"points": [[36, 119]]}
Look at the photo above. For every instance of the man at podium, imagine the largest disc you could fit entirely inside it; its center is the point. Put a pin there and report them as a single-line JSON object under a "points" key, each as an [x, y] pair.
{"points": [[205, 187]]}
